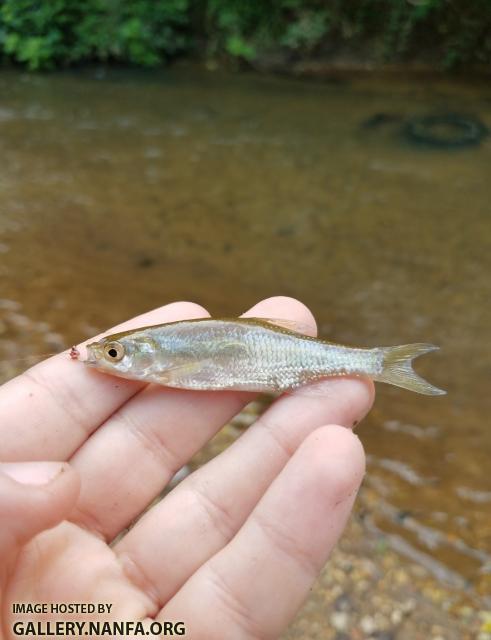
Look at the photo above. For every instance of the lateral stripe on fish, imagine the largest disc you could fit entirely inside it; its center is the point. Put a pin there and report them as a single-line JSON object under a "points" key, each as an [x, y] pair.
{"points": [[250, 354]]}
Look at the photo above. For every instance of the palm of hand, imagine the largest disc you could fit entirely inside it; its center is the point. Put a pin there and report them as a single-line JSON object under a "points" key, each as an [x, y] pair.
{"points": [[232, 551]]}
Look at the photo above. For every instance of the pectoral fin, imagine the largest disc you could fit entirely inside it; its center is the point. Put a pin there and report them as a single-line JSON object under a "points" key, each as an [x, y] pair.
{"points": [[172, 375]]}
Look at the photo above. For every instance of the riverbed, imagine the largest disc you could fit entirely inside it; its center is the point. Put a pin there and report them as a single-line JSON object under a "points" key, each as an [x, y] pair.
{"points": [[121, 191]]}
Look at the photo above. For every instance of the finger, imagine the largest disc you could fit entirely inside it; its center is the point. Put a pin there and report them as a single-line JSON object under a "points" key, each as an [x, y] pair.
{"points": [[217, 499], [136, 452], [49, 411], [253, 587], [34, 496]]}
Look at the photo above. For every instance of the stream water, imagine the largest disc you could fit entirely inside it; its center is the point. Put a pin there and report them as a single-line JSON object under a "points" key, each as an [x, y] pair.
{"points": [[121, 191]]}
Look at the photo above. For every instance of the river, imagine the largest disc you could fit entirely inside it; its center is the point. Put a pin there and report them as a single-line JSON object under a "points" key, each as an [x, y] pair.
{"points": [[121, 191]]}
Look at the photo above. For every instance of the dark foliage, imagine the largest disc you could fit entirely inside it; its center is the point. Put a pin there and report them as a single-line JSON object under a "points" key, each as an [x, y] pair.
{"points": [[51, 33]]}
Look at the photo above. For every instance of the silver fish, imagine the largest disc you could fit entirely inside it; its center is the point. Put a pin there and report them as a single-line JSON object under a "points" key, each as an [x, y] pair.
{"points": [[247, 354]]}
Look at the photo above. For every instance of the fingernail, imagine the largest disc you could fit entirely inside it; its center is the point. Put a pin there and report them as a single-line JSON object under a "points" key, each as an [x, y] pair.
{"points": [[33, 473]]}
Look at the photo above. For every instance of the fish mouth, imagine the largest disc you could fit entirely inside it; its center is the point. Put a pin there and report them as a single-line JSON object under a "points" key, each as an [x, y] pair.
{"points": [[94, 354]]}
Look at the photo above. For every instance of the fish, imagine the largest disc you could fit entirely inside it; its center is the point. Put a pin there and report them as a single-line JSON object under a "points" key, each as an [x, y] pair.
{"points": [[248, 354]]}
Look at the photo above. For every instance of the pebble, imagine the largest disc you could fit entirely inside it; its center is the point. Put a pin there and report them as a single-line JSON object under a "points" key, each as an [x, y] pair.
{"points": [[401, 577], [343, 603], [408, 606], [9, 305], [339, 620], [362, 585], [368, 625], [486, 621], [18, 320], [396, 617], [54, 340]]}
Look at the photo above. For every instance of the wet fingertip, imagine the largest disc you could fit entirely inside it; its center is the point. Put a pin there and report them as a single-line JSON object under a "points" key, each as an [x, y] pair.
{"points": [[368, 392], [191, 309], [335, 434], [284, 307], [358, 391], [339, 453], [360, 395]]}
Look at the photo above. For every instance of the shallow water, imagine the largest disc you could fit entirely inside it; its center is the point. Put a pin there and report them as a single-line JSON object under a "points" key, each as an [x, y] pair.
{"points": [[122, 191]]}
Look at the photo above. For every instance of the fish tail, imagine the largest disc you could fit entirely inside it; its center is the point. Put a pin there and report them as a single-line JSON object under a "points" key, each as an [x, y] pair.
{"points": [[397, 368]]}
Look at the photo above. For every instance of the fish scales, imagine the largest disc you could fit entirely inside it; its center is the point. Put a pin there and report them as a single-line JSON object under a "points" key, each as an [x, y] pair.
{"points": [[255, 357], [247, 354]]}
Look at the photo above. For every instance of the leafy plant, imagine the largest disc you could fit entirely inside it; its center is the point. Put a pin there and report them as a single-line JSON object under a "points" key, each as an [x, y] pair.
{"points": [[43, 34], [47, 33], [307, 31]]}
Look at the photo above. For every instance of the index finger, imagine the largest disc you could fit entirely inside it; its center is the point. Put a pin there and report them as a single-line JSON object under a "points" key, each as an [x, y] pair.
{"points": [[47, 412]]}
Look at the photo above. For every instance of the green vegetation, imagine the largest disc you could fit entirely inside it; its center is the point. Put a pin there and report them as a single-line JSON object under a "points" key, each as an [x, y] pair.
{"points": [[43, 34]]}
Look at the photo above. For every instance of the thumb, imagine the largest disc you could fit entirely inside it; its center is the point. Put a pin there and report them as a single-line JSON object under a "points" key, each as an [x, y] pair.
{"points": [[34, 496]]}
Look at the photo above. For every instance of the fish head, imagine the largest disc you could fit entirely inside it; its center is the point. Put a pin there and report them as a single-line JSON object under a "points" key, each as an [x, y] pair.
{"points": [[125, 356]]}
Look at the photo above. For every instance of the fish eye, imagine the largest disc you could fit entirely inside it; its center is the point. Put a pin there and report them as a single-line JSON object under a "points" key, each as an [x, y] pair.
{"points": [[114, 351]]}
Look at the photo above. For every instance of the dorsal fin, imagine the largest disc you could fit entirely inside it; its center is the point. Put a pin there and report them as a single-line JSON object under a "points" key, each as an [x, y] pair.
{"points": [[291, 325]]}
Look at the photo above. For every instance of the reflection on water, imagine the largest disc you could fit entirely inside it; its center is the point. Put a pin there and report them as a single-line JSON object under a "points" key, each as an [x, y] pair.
{"points": [[120, 192]]}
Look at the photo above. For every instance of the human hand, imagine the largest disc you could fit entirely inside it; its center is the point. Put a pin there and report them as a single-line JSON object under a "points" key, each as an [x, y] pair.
{"points": [[231, 552]]}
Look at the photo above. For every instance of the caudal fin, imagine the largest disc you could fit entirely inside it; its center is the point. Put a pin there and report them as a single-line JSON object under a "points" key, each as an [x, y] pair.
{"points": [[398, 370]]}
